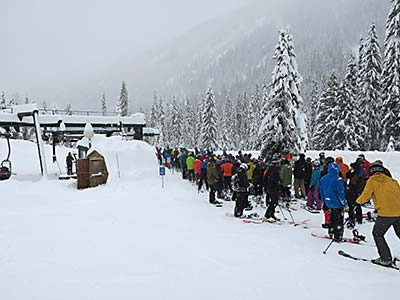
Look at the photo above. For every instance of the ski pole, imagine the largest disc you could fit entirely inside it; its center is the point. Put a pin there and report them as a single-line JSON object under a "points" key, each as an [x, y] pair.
{"points": [[283, 215], [291, 216], [330, 244]]}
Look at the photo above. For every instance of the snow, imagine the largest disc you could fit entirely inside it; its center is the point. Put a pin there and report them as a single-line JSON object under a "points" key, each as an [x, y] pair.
{"points": [[131, 239]]}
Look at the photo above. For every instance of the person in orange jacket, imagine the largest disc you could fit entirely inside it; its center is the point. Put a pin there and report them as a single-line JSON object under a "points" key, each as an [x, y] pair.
{"points": [[343, 168], [227, 167]]}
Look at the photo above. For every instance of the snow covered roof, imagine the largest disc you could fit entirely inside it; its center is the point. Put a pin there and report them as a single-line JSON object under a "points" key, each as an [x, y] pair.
{"points": [[55, 120]]}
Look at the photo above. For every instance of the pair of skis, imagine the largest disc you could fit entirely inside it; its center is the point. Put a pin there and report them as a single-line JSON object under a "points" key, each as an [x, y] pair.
{"points": [[347, 255]]}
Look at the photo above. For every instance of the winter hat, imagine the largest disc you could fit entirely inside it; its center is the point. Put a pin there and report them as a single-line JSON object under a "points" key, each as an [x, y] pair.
{"points": [[361, 156], [376, 167], [322, 155], [285, 151], [339, 159], [244, 167], [316, 163]]}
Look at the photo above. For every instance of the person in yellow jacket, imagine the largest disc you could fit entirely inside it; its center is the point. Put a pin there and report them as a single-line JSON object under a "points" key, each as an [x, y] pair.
{"points": [[385, 193]]}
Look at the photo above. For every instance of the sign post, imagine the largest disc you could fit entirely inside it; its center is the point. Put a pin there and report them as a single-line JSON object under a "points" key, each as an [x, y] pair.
{"points": [[162, 174]]}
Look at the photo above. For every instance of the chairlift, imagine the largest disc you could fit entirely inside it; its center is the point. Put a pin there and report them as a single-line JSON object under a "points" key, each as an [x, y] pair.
{"points": [[5, 166]]}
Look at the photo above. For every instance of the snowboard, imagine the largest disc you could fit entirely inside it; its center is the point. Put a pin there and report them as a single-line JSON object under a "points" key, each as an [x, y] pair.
{"points": [[345, 254]]}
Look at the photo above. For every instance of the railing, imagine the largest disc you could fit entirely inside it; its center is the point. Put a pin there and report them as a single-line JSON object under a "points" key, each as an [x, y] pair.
{"points": [[66, 112]]}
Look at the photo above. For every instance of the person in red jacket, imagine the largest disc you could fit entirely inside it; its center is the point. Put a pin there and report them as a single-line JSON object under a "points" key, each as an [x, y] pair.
{"points": [[197, 164], [227, 167], [286, 154], [365, 164]]}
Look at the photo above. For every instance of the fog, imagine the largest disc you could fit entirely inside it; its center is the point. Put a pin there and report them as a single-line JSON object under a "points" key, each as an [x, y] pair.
{"points": [[51, 49]]}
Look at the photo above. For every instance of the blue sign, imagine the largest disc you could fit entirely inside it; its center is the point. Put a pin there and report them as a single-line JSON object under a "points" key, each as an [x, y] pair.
{"points": [[162, 171]]}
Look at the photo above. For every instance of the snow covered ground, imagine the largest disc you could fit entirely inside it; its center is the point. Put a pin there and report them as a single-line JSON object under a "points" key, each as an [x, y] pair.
{"points": [[131, 239]]}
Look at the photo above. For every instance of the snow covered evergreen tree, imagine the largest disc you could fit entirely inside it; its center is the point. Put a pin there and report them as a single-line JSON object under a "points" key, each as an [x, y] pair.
{"points": [[370, 101], [227, 125], [122, 107], [312, 109], [256, 106], [176, 125], [391, 76], [162, 139], [325, 120], [3, 103], [199, 123], [103, 104], [209, 135], [281, 126], [68, 110], [189, 125]]}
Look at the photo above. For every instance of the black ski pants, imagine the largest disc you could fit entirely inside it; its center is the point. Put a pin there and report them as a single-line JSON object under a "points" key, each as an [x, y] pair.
{"points": [[381, 226], [241, 203], [336, 223], [272, 201], [212, 193]]}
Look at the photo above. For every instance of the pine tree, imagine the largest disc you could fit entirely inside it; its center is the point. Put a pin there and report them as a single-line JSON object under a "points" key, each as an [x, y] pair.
{"points": [[281, 126], [325, 121], [370, 101], [199, 123], [26, 100], [68, 110], [209, 136], [227, 125], [122, 107], [153, 121], [240, 123], [312, 110], [189, 126], [3, 103], [161, 123], [45, 107], [176, 125], [391, 75], [256, 106], [103, 105]]}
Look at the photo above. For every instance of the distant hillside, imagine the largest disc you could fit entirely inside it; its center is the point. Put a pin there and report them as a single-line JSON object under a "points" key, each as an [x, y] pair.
{"points": [[235, 52]]}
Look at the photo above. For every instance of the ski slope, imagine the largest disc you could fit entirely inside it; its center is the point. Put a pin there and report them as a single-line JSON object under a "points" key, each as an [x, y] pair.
{"points": [[131, 239]]}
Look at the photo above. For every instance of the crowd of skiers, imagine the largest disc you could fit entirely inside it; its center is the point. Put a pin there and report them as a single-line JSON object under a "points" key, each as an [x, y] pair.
{"points": [[326, 184]]}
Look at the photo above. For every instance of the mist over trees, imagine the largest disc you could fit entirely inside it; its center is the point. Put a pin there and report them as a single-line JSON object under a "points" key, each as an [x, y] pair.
{"points": [[343, 107]]}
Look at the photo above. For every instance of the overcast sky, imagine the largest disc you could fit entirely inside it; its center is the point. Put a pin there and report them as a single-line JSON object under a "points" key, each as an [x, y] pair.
{"points": [[46, 41]]}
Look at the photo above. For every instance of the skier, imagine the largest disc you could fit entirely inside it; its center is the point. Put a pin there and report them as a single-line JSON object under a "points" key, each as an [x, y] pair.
{"points": [[354, 189], [332, 194], [299, 177], [182, 160], [307, 179], [324, 171], [322, 159], [227, 167], [203, 176], [258, 180], [343, 168], [212, 179], [197, 168], [313, 194], [285, 175], [385, 193], [190, 166], [241, 186], [69, 160], [286, 154], [274, 190], [365, 164]]}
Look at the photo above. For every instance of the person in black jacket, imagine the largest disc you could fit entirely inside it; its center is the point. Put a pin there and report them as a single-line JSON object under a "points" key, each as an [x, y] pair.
{"points": [[299, 177], [70, 159], [273, 189], [241, 186], [307, 179]]}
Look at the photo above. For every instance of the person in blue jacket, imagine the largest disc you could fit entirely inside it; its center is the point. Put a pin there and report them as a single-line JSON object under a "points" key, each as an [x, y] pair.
{"points": [[332, 194]]}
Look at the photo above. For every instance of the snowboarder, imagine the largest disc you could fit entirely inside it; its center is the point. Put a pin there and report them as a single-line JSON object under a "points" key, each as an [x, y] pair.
{"points": [[241, 187], [332, 194], [385, 193]]}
